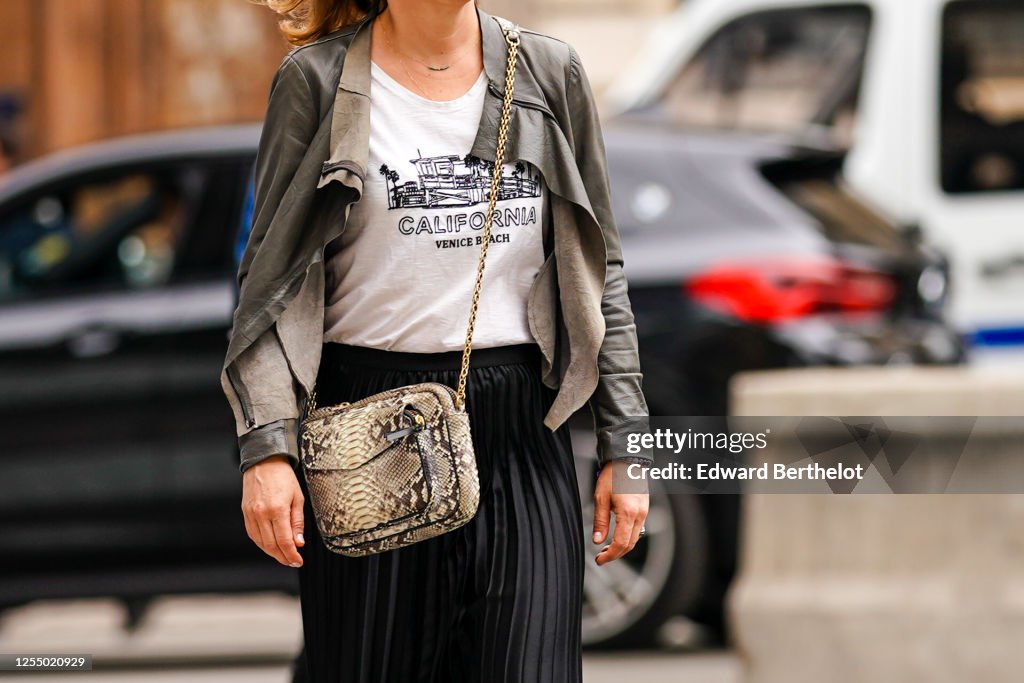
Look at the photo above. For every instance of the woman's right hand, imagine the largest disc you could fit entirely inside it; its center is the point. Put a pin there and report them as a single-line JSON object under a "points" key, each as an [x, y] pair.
{"points": [[272, 506]]}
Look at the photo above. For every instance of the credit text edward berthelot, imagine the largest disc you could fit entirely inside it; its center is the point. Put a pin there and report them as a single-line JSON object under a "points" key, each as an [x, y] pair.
{"points": [[667, 440]]}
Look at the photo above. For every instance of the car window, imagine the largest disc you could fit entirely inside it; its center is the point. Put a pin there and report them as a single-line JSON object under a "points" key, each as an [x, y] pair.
{"points": [[219, 196], [129, 229], [781, 71], [841, 216], [982, 96]]}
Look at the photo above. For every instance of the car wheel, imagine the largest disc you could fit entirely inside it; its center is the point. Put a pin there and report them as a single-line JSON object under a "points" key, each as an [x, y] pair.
{"points": [[626, 602]]}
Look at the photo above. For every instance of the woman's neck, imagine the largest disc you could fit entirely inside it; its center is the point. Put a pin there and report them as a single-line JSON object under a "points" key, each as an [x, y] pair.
{"points": [[433, 30]]}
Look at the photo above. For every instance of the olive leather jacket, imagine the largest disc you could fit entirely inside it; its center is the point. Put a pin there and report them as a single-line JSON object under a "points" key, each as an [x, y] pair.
{"points": [[310, 168]]}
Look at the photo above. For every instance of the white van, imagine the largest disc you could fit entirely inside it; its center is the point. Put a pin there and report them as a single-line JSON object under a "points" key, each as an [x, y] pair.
{"points": [[927, 96]]}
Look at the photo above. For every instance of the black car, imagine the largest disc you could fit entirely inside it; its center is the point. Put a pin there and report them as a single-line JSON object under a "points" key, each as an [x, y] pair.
{"points": [[119, 464]]}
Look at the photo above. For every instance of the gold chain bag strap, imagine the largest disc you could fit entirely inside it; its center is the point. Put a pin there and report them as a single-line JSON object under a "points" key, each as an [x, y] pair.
{"points": [[398, 467]]}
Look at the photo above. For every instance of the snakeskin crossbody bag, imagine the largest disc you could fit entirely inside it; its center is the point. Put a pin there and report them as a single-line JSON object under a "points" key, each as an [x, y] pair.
{"points": [[398, 467]]}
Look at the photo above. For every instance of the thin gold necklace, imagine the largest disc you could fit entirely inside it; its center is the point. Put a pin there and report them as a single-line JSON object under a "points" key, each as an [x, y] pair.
{"points": [[422, 91], [444, 67]]}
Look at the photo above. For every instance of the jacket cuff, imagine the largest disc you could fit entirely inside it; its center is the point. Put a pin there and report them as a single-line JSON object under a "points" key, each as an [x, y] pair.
{"points": [[613, 441], [279, 437]]}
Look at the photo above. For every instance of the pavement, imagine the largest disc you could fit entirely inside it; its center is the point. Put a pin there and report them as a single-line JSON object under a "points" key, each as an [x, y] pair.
{"points": [[635, 668], [252, 639]]}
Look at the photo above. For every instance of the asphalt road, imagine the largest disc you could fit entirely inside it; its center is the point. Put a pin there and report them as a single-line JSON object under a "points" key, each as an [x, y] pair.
{"points": [[251, 639]]}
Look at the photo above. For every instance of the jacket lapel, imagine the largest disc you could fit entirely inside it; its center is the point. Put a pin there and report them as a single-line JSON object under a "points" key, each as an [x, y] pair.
{"points": [[350, 123], [536, 136]]}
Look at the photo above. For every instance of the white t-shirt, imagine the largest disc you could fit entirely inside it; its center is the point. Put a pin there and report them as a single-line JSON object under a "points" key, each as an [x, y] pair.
{"points": [[402, 276]]}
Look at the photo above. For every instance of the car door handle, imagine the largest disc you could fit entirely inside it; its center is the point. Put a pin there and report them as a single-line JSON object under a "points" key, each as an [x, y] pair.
{"points": [[93, 342], [1002, 266]]}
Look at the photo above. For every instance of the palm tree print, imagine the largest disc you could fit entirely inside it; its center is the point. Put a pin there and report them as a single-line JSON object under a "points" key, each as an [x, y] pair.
{"points": [[386, 172]]}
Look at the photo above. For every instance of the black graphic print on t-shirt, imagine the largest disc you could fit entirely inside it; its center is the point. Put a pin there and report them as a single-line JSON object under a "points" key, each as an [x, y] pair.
{"points": [[451, 181]]}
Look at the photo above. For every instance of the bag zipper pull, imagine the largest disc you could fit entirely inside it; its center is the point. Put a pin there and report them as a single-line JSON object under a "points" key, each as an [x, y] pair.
{"points": [[418, 424]]}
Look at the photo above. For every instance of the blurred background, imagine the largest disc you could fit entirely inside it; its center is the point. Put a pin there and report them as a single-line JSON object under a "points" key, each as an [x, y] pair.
{"points": [[822, 212]]}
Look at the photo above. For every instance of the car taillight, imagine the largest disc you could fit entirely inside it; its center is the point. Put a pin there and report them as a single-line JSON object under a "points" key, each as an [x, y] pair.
{"points": [[774, 290]]}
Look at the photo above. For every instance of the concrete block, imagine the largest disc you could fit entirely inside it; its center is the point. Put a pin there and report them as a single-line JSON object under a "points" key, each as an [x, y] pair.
{"points": [[880, 588]]}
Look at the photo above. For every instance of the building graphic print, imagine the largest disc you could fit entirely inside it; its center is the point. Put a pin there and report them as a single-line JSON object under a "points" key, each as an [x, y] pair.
{"points": [[451, 181]]}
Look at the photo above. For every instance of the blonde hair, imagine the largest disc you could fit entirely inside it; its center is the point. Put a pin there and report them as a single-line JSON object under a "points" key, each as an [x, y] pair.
{"points": [[304, 21]]}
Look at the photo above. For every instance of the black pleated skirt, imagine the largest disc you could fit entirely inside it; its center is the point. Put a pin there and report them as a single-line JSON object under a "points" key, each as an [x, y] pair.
{"points": [[497, 600]]}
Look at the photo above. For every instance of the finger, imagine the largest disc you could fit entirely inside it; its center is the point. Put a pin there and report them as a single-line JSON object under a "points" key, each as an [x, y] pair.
{"points": [[624, 523], [641, 524], [602, 514], [285, 539], [268, 544], [634, 537], [298, 519]]}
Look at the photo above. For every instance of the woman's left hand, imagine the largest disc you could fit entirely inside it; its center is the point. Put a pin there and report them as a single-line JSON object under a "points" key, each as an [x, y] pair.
{"points": [[630, 514]]}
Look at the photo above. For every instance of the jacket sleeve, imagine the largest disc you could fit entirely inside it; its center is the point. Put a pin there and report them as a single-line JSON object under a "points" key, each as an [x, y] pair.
{"points": [[259, 384], [618, 403]]}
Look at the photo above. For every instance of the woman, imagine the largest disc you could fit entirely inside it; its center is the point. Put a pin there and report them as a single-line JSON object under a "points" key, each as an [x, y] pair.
{"points": [[357, 278]]}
